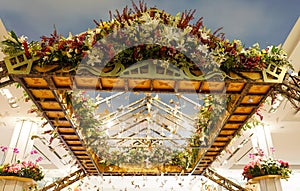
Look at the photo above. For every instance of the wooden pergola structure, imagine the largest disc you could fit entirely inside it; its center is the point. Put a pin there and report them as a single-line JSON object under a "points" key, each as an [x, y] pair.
{"points": [[247, 90]]}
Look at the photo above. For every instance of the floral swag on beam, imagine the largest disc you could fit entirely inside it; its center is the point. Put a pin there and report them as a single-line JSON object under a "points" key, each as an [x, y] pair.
{"points": [[61, 52]]}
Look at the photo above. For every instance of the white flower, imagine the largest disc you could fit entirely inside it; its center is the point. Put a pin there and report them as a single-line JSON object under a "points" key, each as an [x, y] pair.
{"points": [[23, 39], [169, 34], [203, 48], [92, 59], [204, 36], [243, 51], [70, 37], [164, 64], [181, 45], [94, 56]]}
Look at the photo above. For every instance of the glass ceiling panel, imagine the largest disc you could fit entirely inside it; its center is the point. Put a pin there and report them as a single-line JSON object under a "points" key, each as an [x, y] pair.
{"points": [[152, 129]]}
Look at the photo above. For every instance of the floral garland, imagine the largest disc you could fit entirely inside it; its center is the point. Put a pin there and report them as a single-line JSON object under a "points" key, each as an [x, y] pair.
{"points": [[70, 51]]}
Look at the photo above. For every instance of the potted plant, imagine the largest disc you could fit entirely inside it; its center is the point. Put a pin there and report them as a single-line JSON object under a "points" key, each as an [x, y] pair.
{"points": [[267, 171], [20, 174]]}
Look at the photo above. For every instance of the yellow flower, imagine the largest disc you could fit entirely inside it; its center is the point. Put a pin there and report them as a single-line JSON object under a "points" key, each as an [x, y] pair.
{"points": [[69, 55]]}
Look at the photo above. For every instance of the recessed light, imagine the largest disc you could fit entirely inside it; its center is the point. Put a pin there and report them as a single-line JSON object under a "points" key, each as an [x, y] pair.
{"points": [[250, 100], [14, 105], [5, 92]]}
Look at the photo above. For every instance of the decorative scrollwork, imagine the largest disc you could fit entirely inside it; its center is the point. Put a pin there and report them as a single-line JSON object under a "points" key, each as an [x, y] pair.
{"points": [[290, 88], [222, 181]]}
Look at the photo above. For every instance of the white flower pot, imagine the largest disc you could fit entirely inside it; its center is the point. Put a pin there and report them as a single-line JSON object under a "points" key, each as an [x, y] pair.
{"points": [[13, 183], [269, 182]]}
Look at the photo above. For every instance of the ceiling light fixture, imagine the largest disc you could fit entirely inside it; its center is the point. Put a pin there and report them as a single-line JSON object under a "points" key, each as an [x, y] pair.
{"points": [[12, 101], [250, 100], [5, 92]]}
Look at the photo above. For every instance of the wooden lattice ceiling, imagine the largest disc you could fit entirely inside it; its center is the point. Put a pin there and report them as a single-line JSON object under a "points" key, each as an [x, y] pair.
{"points": [[247, 90]]}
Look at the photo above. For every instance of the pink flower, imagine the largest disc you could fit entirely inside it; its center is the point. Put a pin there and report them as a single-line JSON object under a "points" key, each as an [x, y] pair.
{"points": [[14, 168], [251, 155], [33, 152], [16, 150], [286, 164], [272, 149], [31, 164], [39, 159], [19, 168], [4, 148], [283, 163], [260, 152]]}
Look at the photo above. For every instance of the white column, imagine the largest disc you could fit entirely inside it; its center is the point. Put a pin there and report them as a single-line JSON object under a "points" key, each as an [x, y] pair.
{"points": [[262, 139], [21, 139], [270, 184]]}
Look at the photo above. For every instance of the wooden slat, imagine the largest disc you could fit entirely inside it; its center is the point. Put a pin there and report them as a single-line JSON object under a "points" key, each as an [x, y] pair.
{"points": [[235, 87], [213, 86], [188, 86], [70, 137], [36, 82], [42, 94], [259, 89], [55, 114], [64, 130]]}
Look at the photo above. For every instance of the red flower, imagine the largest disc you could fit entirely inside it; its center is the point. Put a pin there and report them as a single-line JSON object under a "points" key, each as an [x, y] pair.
{"points": [[26, 49]]}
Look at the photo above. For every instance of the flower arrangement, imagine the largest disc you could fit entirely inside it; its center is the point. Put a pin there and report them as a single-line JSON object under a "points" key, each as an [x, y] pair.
{"points": [[262, 165], [149, 33], [27, 169]]}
